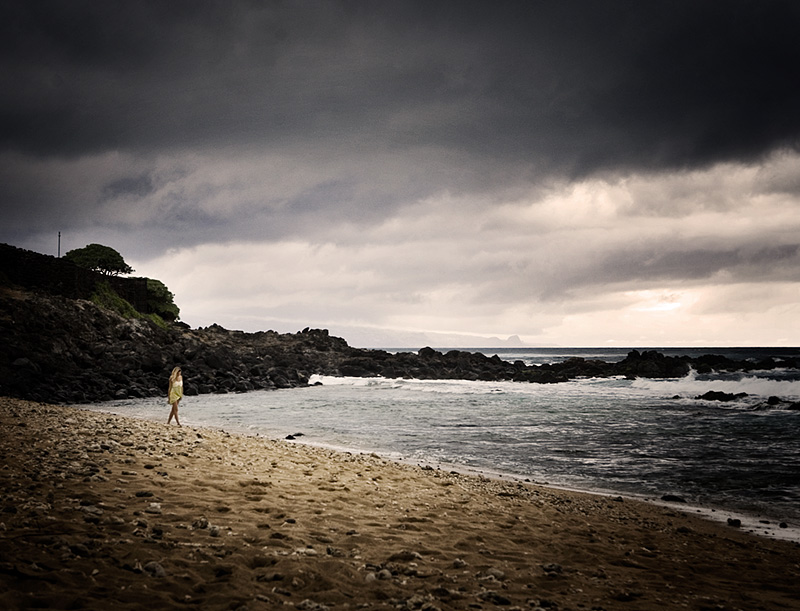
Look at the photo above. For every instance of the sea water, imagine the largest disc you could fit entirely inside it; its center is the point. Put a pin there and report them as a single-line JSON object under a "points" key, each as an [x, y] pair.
{"points": [[641, 437]]}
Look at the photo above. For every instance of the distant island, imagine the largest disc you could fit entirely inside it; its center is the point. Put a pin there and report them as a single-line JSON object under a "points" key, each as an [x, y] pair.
{"points": [[365, 337]]}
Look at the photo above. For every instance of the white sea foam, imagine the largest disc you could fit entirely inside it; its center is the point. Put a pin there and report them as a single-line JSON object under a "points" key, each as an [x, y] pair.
{"points": [[693, 386], [688, 387], [457, 387]]}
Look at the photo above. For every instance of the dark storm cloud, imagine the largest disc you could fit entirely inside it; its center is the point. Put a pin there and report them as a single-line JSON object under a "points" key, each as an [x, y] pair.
{"points": [[141, 186], [568, 87], [259, 121]]}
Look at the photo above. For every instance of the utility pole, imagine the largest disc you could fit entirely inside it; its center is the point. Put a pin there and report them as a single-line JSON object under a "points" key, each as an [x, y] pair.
{"points": [[59, 244]]}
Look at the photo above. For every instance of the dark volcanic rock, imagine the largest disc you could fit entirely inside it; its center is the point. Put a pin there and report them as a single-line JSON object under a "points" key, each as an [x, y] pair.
{"points": [[716, 395], [65, 350], [652, 364], [58, 349]]}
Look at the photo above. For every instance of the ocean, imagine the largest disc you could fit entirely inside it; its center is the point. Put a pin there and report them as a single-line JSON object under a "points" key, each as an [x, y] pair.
{"points": [[643, 438]]}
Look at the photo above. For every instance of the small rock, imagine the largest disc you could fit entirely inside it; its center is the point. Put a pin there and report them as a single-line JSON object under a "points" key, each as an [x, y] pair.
{"points": [[223, 570], [200, 523], [154, 569], [404, 556], [494, 597], [272, 577], [154, 508], [552, 568], [735, 522], [79, 549]]}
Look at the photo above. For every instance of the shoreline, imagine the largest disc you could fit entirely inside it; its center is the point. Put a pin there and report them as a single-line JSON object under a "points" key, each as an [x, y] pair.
{"points": [[754, 524], [759, 524], [103, 510]]}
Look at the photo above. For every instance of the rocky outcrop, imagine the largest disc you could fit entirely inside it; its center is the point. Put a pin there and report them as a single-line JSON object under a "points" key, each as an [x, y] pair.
{"points": [[58, 349], [63, 350]]}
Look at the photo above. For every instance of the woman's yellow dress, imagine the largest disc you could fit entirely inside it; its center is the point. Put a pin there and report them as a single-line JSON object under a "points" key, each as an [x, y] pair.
{"points": [[176, 391]]}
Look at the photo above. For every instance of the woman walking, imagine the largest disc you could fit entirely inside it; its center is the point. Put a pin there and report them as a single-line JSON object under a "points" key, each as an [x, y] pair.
{"points": [[175, 394]]}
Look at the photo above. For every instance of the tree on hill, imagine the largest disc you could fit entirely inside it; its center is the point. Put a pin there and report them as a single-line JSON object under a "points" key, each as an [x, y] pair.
{"points": [[160, 300], [99, 258]]}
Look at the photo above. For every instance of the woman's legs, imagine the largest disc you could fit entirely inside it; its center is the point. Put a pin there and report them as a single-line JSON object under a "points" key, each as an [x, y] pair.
{"points": [[174, 413]]}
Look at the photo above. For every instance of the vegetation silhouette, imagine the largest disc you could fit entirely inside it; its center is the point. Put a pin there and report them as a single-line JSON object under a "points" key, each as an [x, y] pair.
{"points": [[99, 258]]}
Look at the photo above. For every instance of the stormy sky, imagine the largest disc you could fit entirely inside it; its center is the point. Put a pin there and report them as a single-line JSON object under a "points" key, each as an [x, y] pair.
{"points": [[576, 172]]}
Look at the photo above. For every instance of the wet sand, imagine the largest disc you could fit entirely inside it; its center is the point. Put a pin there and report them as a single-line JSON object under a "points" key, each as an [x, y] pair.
{"points": [[101, 511]]}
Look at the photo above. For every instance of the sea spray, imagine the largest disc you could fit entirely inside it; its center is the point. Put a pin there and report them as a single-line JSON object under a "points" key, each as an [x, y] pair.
{"points": [[693, 385]]}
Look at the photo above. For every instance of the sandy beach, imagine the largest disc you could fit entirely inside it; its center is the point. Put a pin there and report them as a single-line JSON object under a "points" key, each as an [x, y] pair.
{"points": [[101, 511]]}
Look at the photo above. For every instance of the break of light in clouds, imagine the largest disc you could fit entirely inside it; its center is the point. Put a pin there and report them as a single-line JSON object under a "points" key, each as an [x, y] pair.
{"points": [[578, 173]]}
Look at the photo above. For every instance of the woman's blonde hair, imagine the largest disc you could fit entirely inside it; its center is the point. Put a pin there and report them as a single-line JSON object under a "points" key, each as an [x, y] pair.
{"points": [[174, 375]]}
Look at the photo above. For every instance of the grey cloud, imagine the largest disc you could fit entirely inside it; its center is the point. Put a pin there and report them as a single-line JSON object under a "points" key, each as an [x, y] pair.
{"points": [[710, 85], [753, 263], [630, 267], [781, 176], [140, 186], [575, 87], [745, 263], [391, 102]]}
